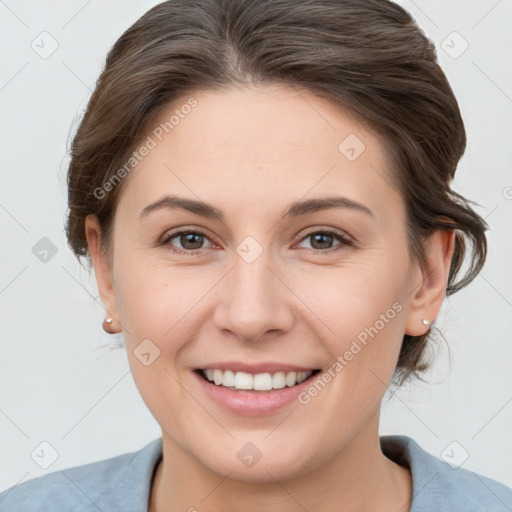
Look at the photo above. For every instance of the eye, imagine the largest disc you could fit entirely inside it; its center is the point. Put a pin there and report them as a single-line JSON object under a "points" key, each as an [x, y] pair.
{"points": [[191, 240], [322, 240]]}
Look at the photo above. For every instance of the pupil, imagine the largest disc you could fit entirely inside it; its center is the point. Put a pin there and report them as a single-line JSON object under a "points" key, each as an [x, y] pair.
{"points": [[190, 238], [324, 236]]}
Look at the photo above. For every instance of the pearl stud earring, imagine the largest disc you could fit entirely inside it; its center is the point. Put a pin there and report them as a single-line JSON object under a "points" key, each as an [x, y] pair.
{"points": [[425, 322]]}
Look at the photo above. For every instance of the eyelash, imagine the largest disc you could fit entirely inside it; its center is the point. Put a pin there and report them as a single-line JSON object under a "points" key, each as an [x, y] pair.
{"points": [[343, 240]]}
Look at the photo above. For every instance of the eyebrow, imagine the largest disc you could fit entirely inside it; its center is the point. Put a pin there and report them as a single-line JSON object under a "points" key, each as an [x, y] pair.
{"points": [[296, 209]]}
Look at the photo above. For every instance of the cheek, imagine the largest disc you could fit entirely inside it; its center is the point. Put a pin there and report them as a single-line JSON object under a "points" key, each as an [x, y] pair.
{"points": [[155, 312], [363, 307], [153, 300], [352, 297], [158, 308]]}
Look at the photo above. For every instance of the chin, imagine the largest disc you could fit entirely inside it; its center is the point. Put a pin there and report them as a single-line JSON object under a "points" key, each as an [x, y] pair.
{"points": [[245, 462]]}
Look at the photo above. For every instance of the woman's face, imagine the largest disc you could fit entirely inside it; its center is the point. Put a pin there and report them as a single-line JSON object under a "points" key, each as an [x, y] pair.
{"points": [[268, 288]]}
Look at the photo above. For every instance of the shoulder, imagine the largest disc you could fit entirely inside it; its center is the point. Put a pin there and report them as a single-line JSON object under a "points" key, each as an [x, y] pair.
{"points": [[441, 487], [117, 483]]}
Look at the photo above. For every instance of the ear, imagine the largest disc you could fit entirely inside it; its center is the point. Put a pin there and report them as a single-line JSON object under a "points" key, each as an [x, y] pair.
{"points": [[103, 272], [430, 289]]}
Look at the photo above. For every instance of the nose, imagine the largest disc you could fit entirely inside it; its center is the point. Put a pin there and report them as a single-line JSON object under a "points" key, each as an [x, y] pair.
{"points": [[254, 301]]}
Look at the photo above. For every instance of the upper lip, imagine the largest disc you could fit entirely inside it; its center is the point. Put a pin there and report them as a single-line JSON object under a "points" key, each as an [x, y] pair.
{"points": [[238, 366]]}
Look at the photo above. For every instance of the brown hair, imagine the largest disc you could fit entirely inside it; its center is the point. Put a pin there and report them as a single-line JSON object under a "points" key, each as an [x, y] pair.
{"points": [[369, 56]]}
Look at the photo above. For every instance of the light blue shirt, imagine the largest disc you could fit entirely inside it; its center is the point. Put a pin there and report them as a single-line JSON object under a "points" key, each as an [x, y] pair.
{"points": [[123, 483]]}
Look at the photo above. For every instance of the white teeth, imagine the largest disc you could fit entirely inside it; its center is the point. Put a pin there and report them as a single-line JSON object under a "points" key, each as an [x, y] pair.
{"points": [[278, 380], [242, 380], [302, 376], [228, 379], [291, 379], [262, 382], [258, 382], [217, 377]]}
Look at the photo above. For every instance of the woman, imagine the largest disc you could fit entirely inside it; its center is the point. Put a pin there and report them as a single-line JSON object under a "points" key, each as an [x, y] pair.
{"points": [[263, 189]]}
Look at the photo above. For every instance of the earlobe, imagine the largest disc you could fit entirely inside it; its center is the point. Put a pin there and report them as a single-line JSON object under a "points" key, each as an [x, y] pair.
{"points": [[103, 273], [430, 293]]}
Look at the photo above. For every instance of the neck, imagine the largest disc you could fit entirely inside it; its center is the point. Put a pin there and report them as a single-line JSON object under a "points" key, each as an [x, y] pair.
{"points": [[357, 478]]}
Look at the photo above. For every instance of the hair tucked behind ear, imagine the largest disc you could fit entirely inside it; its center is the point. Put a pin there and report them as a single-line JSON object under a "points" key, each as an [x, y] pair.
{"points": [[367, 55]]}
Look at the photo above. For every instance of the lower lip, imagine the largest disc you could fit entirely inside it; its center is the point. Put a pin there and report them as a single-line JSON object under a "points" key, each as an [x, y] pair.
{"points": [[250, 403]]}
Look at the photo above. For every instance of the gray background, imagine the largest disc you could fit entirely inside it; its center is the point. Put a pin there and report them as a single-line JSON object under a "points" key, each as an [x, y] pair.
{"points": [[60, 382]]}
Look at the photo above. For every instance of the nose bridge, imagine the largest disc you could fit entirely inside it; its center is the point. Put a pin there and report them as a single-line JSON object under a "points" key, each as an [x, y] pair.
{"points": [[254, 301], [251, 280]]}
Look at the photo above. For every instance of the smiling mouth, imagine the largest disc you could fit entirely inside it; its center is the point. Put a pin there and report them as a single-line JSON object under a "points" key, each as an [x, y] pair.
{"points": [[243, 381]]}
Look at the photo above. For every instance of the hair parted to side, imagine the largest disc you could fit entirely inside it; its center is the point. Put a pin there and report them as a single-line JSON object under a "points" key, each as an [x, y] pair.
{"points": [[368, 56]]}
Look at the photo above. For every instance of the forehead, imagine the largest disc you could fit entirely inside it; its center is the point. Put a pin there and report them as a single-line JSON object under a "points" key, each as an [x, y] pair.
{"points": [[265, 145]]}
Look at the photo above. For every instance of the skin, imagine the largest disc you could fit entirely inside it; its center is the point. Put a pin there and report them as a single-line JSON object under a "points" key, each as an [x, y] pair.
{"points": [[251, 152]]}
